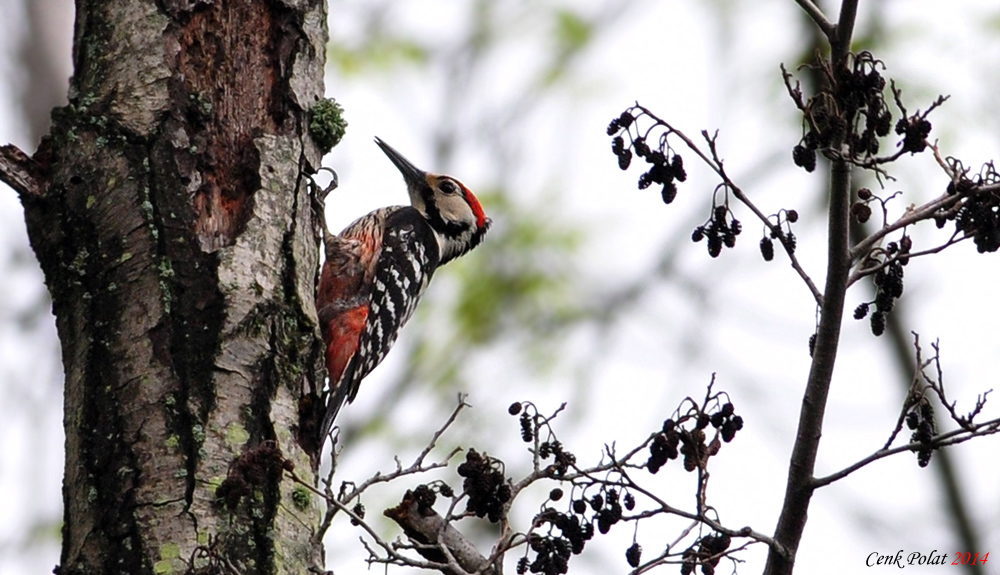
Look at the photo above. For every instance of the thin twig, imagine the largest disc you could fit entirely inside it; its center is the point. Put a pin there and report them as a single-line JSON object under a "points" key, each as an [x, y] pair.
{"points": [[662, 558], [621, 465], [462, 404], [818, 18], [335, 503], [699, 517], [864, 272], [912, 216], [953, 437], [418, 465], [715, 162], [937, 386]]}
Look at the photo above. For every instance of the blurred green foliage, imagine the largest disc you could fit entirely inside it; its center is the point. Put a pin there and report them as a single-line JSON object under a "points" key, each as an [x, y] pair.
{"points": [[522, 279], [573, 32], [380, 52]]}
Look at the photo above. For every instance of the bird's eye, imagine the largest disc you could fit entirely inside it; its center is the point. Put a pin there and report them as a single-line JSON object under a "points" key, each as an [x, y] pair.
{"points": [[448, 187]]}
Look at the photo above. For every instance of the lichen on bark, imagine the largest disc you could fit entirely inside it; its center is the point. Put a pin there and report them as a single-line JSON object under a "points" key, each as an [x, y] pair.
{"points": [[170, 211]]}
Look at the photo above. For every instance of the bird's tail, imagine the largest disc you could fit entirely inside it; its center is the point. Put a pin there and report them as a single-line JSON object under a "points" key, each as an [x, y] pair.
{"points": [[335, 399]]}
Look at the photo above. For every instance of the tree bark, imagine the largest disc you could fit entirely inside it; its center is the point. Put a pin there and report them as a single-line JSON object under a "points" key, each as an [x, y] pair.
{"points": [[170, 211]]}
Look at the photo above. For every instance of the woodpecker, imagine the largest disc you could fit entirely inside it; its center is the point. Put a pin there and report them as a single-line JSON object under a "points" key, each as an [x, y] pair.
{"points": [[377, 269]]}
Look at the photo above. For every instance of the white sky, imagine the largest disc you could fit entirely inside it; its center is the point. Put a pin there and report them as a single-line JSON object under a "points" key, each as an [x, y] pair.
{"points": [[666, 55]]}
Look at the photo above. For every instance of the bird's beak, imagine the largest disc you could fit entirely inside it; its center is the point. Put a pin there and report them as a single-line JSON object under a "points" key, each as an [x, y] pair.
{"points": [[414, 176]]}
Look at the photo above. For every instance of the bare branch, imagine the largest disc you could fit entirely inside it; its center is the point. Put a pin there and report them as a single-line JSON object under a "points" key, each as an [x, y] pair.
{"points": [[418, 465], [911, 398], [620, 466], [462, 404], [818, 18], [967, 430], [840, 43], [441, 543], [431, 552], [337, 502], [19, 171], [937, 386], [912, 216], [953, 174], [663, 558], [953, 437], [863, 272], [713, 161]]}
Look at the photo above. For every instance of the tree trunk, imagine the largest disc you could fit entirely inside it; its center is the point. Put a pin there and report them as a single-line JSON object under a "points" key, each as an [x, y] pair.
{"points": [[170, 210]]}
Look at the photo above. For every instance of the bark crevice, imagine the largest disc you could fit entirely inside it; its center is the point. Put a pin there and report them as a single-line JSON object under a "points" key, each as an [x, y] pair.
{"points": [[166, 210]]}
